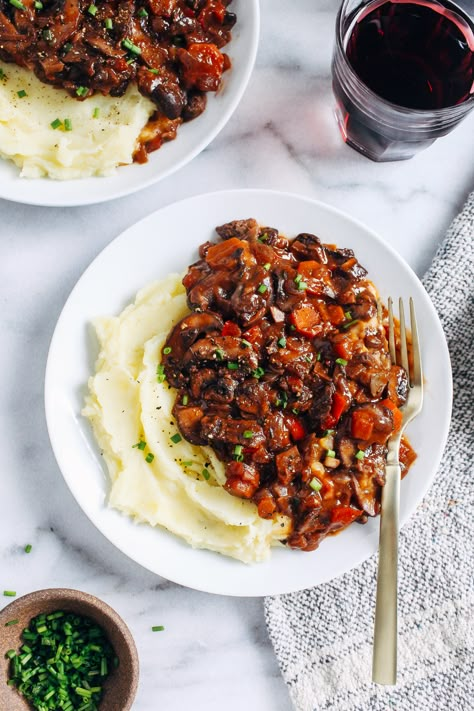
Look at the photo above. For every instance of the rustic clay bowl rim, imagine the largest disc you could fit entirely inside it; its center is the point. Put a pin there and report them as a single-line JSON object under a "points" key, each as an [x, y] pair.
{"points": [[121, 685]]}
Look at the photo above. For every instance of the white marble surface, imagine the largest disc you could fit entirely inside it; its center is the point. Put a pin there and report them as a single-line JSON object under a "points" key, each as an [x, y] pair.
{"points": [[215, 652]]}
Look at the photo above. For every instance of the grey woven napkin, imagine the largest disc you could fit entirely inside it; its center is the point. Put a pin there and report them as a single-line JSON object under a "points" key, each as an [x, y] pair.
{"points": [[323, 637]]}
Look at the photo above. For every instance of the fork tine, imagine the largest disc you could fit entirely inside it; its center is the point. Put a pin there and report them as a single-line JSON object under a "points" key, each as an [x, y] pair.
{"points": [[403, 342], [391, 331], [417, 368]]}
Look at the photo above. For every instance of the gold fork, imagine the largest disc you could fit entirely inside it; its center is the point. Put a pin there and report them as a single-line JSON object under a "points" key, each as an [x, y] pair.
{"points": [[384, 661]]}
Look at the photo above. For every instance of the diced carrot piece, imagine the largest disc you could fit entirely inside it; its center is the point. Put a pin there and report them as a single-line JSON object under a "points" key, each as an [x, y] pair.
{"points": [[397, 414], [316, 276], [362, 425], [336, 314], [226, 255], [343, 349], [307, 321], [344, 515]]}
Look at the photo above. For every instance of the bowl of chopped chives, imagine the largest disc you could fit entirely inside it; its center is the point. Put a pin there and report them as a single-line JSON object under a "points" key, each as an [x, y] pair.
{"points": [[65, 650]]}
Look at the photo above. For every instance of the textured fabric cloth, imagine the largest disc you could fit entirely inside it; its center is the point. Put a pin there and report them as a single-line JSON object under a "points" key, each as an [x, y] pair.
{"points": [[323, 637]]}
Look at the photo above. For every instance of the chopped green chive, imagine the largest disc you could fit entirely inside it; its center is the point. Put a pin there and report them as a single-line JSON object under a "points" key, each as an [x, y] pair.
{"points": [[176, 438], [92, 10], [154, 71], [67, 47], [142, 12], [360, 454], [331, 453], [21, 94], [157, 628], [160, 373], [348, 315], [139, 445], [149, 457], [282, 342], [185, 400], [205, 474], [81, 90], [47, 34], [258, 373], [11, 623], [295, 411], [67, 124], [341, 361], [232, 366], [128, 44], [351, 323], [219, 353], [187, 464], [302, 286], [19, 5], [10, 654], [267, 266], [308, 359], [315, 484], [248, 434], [238, 456], [329, 432], [167, 350], [245, 343], [298, 278], [38, 5], [28, 548], [318, 357], [96, 112], [109, 25], [262, 288], [263, 238], [9, 593]]}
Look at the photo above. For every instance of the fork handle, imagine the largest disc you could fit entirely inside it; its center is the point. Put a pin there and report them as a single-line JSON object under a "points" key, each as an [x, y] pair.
{"points": [[384, 662]]}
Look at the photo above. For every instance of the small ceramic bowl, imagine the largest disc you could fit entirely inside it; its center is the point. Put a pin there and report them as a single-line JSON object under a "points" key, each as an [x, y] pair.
{"points": [[121, 685]]}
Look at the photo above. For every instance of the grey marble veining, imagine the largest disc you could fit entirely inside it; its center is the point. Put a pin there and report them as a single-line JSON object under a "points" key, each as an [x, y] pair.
{"points": [[214, 652]]}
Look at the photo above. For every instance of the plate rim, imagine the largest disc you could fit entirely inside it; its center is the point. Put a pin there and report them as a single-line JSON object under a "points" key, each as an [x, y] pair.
{"points": [[425, 484], [210, 136]]}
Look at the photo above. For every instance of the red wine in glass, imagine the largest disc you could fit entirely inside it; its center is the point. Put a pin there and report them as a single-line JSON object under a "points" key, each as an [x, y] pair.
{"points": [[417, 55]]}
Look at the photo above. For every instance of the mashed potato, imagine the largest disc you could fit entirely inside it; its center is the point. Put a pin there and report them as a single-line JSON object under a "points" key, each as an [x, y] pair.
{"points": [[104, 129], [172, 484]]}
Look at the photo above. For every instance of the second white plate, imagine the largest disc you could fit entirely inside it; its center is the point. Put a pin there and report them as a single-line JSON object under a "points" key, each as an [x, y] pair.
{"points": [[167, 241], [192, 137]]}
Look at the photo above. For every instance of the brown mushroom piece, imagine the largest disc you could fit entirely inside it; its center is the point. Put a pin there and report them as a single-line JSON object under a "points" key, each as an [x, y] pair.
{"points": [[215, 428], [243, 229], [219, 350], [366, 493], [183, 336], [189, 422], [397, 389]]}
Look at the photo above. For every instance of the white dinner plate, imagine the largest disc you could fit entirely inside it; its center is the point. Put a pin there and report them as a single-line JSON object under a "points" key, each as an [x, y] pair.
{"points": [[192, 137], [167, 241]]}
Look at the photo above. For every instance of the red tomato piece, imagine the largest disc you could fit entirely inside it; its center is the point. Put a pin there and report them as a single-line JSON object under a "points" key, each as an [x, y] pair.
{"points": [[203, 65], [296, 428], [344, 515], [339, 405], [230, 329]]}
